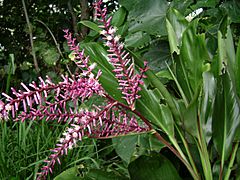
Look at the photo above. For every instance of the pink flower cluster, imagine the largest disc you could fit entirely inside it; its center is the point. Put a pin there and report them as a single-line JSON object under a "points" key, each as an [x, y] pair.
{"points": [[128, 80], [103, 122], [4, 109], [50, 100]]}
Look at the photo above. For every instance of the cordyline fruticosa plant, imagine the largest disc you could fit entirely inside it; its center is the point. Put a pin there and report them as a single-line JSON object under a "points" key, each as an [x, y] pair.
{"points": [[49, 101], [206, 111]]}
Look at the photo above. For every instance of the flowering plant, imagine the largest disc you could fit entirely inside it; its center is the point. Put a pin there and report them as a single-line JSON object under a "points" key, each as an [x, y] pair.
{"points": [[205, 86], [49, 101]]}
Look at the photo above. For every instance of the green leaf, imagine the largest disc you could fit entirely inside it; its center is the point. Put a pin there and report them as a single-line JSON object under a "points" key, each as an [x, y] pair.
{"points": [[181, 5], [69, 174], [119, 17], [137, 39], [153, 167], [190, 65], [158, 114], [226, 51], [226, 115], [91, 25], [148, 16], [238, 69], [205, 3], [158, 56], [130, 147], [207, 104], [125, 146], [99, 174], [233, 9], [176, 25]]}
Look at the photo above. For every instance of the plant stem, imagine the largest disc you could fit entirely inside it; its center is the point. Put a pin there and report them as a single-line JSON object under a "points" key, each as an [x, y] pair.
{"points": [[54, 39], [229, 169], [187, 150], [31, 37], [202, 148]]}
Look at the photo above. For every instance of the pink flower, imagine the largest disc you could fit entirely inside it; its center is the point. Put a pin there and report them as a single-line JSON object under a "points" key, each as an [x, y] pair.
{"points": [[129, 81]]}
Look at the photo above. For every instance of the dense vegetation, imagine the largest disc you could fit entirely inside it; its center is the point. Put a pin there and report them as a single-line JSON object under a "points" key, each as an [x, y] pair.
{"points": [[190, 95]]}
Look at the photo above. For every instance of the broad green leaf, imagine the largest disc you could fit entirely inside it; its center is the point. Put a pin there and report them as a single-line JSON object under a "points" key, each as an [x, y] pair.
{"points": [[158, 56], [172, 38], [119, 17], [100, 174], [138, 39], [148, 16], [90, 25], [226, 115], [69, 174], [75, 174], [226, 51], [190, 118], [153, 167], [207, 104], [131, 147], [181, 5], [176, 25], [158, 114], [125, 146], [99, 55], [190, 65], [238, 69]]}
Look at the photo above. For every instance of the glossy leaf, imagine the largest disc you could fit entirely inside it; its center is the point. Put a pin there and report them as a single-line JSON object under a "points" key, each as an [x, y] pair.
{"points": [[181, 5], [130, 147], [158, 56], [153, 167], [176, 25], [193, 56], [138, 39], [90, 25], [238, 69], [119, 17], [148, 16], [158, 114], [226, 51], [207, 104], [226, 116], [125, 146], [69, 174]]}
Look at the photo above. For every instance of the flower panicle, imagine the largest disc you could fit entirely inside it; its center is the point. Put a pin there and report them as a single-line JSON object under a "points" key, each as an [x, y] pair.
{"points": [[105, 122], [80, 60], [50, 99], [129, 81]]}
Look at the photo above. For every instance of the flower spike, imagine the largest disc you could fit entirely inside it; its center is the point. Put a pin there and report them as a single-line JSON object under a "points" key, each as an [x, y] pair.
{"points": [[129, 81]]}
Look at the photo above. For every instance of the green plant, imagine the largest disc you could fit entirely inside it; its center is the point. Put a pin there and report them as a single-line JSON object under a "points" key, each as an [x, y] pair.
{"points": [[195, 114]]}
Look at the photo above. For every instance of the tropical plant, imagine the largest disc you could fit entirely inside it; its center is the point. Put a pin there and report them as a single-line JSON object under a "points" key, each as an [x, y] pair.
{"points": [[195, 114]]}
